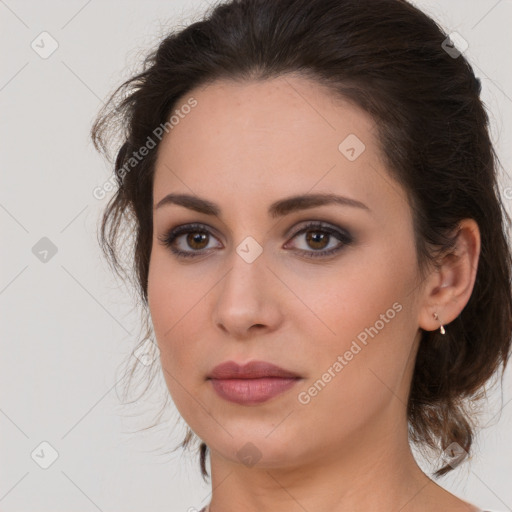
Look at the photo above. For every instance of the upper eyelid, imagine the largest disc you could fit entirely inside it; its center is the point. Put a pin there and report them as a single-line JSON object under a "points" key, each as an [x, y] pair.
{"points": [[295, 230]]}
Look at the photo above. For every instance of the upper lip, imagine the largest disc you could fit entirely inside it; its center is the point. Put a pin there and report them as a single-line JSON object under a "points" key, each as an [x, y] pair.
{"points": [[251, 370]]}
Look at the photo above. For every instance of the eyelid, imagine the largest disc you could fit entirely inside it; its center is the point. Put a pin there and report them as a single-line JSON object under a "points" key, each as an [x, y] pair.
{"points": [[290, 232], [311, 224], [182, 229], [344, 237], [339, 233]]}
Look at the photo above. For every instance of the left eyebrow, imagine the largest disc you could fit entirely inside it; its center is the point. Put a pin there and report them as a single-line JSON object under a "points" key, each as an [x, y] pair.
{"points": [[277, 209]]}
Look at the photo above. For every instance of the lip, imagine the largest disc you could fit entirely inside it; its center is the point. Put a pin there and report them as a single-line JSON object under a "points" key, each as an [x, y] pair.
{"points": [[251, 370], [252, 383]]}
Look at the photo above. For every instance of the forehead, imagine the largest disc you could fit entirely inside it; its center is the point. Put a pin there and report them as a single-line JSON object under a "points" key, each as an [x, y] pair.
{"points": [[284, 135], [289, 104]]}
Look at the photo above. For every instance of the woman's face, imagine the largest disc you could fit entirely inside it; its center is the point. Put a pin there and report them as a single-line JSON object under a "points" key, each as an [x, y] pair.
{"points": [[336, 305]]}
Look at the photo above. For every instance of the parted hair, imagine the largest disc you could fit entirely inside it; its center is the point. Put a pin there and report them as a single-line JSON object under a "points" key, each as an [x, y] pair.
{"points": [[396, 64]]}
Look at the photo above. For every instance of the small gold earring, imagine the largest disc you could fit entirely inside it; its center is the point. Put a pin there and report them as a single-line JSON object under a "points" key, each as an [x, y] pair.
{"points": [[441, 328]]}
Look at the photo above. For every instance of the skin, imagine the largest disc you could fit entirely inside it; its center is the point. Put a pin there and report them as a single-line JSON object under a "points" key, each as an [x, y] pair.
{"points": [[244, 146]]}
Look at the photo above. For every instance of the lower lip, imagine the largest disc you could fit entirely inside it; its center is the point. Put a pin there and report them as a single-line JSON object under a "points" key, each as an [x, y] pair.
{"points": [[251, 391]]}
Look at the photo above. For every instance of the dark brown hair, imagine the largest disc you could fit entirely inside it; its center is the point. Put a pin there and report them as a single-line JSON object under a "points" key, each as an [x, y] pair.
{"points": [[389, 59]]}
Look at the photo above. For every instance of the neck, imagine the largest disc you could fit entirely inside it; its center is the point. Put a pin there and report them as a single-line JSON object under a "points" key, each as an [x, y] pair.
{"points": [[373, 470]]}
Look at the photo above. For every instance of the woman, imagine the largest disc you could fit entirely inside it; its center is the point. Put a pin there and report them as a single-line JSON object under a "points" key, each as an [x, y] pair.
{"points": [[321, 246]]}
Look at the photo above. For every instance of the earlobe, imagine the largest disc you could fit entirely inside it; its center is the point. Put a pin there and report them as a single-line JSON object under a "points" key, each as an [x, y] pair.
{"points": [[449, 287]]}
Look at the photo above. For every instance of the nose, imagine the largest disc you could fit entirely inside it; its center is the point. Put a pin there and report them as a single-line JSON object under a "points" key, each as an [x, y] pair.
{"points": [[247, 299]]}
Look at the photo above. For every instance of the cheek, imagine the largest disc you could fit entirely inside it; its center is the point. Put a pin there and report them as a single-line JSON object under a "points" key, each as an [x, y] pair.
{"points": [[362, 316], [337, 304], [359, 372], [164, 305], [167, 298], [160, 298], [177, 312]]}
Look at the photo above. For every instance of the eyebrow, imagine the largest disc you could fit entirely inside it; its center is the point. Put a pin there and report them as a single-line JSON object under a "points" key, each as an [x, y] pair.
{"points": [[277, 209]]}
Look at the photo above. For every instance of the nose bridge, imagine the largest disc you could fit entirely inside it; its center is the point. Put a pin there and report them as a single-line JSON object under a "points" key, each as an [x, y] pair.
{"points": [[245, 296], [247, 259], [246, 279]]}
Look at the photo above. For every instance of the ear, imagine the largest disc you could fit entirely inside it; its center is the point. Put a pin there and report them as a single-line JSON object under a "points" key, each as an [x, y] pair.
{"points": [[449, 287]]}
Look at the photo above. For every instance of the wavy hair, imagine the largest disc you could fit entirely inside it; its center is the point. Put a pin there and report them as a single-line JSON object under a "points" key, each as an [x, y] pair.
{"points": [[392, 61]]}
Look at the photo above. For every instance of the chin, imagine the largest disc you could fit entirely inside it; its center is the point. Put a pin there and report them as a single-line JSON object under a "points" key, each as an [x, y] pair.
{"points": [[260, 450]]}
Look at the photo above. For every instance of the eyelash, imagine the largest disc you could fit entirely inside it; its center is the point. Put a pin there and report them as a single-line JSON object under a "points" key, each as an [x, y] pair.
{"points": [[342, 235]]}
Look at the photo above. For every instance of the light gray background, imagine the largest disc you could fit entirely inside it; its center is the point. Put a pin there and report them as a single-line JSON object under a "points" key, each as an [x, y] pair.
{"points": [[68, 325]]}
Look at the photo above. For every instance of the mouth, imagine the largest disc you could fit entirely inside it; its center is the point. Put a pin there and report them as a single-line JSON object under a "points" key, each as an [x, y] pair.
{"points": [[252, 383], [251, 370], [252, 391]]}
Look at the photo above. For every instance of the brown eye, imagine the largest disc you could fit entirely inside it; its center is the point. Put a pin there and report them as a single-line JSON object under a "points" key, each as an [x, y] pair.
{"points": [[317, 239], [319, 236], [193, 244], [198, 236], [196, 240]]}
